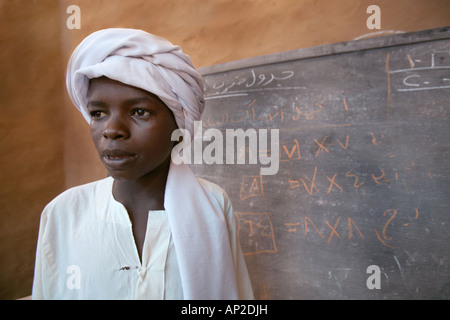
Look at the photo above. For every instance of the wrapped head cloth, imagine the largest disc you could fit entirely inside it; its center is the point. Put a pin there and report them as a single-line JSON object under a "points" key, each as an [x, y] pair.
{"points": [[142, 60], [205, 251]]}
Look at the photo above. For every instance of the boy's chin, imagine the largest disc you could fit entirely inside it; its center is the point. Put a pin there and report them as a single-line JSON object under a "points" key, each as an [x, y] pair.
{"points": [[121, 175]]}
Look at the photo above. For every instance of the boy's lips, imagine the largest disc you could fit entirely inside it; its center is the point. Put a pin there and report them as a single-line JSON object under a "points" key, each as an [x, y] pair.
{"points": [[116, 158]]}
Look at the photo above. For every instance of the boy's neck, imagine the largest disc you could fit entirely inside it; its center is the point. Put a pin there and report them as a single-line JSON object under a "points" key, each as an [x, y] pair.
{"points": [[145, 193]]}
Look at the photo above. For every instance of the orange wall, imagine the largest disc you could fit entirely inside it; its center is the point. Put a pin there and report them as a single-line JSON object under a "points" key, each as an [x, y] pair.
{"points": [[45, 141], [31, 126]]}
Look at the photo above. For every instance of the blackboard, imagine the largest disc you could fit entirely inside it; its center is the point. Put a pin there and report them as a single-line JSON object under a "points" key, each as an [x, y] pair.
{"points": [[364, 171]]}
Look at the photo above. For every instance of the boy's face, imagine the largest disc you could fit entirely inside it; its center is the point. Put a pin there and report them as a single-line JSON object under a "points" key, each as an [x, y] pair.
{"points": [[131, 128]]}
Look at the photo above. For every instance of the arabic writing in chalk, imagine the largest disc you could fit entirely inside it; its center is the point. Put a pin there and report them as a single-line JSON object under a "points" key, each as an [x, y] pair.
{"points": [[430, 72], [241, 85]]}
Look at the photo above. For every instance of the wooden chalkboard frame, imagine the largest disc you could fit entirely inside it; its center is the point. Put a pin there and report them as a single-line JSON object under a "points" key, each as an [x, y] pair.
{"points": [[330, 49]]}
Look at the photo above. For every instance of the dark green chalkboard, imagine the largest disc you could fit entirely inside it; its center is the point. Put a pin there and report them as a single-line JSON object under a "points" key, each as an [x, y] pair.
{"points": [[364, 174]]}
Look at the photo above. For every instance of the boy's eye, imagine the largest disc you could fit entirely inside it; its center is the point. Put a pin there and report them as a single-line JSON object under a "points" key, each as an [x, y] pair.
{"points": [[142, 113], [97, 114]]}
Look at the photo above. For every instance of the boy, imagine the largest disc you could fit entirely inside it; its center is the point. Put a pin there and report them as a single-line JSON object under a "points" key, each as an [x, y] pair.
{"points": [[151, 230]]}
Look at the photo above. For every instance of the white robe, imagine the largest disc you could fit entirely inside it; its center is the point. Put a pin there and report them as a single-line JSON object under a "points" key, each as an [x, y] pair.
{"points": [[86, 250]]}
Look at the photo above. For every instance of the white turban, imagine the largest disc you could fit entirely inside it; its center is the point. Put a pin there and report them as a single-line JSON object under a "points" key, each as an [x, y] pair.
{"points": [[205, 254], [142, 60]]}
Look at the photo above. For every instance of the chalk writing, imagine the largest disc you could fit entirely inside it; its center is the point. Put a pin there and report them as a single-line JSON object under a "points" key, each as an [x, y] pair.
{"points": [[256, 112], [381, 179], [376, 142], [290, 150], [337, 182], [385, 238], [321, 145], [343, 146], [251, 82], [333, 183], [423, 74], [338, 230], [311, 183], [349, 174], [251, 186], [255, 232]]}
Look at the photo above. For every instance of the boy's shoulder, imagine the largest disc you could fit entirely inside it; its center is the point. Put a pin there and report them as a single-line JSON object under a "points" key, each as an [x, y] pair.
{"points": [[210, 186], [82, 195], [217, 192]]}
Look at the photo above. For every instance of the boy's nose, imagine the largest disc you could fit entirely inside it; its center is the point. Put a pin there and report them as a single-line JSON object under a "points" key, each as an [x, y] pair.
{"points": [[115, 129]]}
